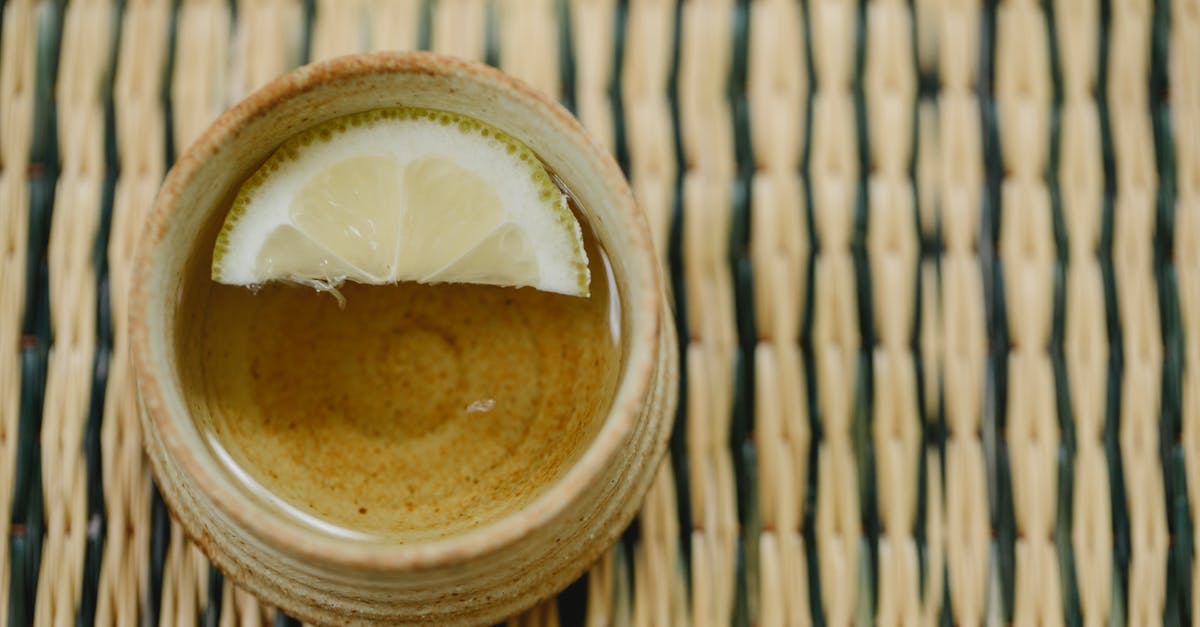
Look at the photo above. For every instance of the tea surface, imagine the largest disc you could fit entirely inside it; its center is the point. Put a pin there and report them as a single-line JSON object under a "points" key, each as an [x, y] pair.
{"points": [[416, 412]]}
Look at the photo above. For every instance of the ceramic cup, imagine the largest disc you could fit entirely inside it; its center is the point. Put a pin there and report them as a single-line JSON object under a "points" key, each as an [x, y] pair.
{"points": [[479, 575]]}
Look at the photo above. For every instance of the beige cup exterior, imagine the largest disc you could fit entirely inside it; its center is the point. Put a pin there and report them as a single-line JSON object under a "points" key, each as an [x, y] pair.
{"points": [[477, 577]]}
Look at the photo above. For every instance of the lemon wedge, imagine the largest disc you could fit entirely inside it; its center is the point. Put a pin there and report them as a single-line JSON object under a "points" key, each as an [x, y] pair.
{"points": [[402, 195]]}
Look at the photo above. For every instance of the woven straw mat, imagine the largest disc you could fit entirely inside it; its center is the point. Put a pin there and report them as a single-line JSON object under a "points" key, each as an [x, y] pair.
{"points": [[936, 266]]}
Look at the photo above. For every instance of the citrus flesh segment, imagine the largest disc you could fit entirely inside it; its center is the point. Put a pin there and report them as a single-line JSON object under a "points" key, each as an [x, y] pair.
{"points": [[349, 209], [403, 195], [450, 211]]}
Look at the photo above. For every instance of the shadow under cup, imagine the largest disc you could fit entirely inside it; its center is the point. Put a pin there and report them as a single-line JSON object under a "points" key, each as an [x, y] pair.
{"points": [[256, 408]]}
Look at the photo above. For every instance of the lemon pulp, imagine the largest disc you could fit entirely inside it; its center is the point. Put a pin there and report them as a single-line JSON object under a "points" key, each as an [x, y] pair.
{"points": [[403, 195]]}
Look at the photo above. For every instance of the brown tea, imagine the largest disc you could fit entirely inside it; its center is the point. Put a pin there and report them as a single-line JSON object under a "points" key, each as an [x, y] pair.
{"points": [[414, 412]]}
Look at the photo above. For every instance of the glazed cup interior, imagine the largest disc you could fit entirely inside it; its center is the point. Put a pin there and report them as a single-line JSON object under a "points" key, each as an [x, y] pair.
{"points": [[172, 293]]}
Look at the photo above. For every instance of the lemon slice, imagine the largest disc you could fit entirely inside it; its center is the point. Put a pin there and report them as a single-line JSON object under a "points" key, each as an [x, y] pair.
{"points": [[402, 195]]}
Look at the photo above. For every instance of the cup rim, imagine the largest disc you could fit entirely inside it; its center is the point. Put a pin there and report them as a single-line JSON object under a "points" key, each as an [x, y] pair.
{"points": [[155, 384]]}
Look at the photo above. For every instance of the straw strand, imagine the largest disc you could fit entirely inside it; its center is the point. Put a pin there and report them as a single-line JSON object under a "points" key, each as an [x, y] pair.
{"points": [[661, 597], [529, 43], [268, 40], [1086, 346], [968, 529], [16, 118], [707, 134], [779, 254], [834, 174], [1137, 300], [932, 520], [199, 80], [83, 73], [339, 27], [460, 28], [592, 43], [645, 72], [141, 131], [394, 24], [1026, 250], [892, 246]]}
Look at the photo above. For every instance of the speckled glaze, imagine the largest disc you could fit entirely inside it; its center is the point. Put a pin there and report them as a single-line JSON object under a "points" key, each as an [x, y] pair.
{"points": [[473, 578]]}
